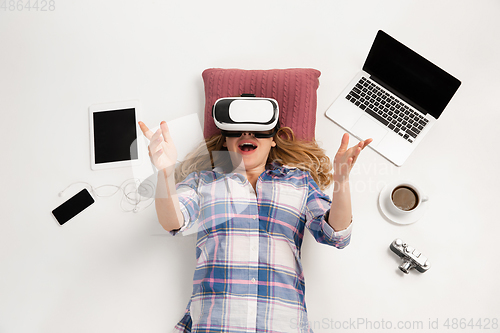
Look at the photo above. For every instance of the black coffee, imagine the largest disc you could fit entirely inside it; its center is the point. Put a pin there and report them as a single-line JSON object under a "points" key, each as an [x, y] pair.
{"points": [[405, 198]]}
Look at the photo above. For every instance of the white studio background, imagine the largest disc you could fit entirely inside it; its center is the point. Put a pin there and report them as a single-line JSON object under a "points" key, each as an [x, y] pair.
{"points": [[111, 271]]}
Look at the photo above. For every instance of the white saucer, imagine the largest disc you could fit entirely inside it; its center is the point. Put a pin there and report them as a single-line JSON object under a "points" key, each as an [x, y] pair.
{"points": [[409, 218]]}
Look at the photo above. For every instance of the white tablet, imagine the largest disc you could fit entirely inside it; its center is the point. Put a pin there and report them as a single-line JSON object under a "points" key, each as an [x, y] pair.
{"points": [[114, 133]]}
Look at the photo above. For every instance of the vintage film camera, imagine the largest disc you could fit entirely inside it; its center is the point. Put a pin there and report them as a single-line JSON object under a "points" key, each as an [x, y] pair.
{"points": [[411, 257]]}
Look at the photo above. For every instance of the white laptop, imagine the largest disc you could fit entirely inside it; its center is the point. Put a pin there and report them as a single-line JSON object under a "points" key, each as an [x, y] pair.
{"points": [[395, 99]]}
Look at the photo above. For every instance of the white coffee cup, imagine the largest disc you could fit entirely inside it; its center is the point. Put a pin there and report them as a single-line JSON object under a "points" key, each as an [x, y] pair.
{"points": [[405, 198]]}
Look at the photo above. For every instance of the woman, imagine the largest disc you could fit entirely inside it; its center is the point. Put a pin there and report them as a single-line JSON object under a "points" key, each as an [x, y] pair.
{"points": [[250, 219]]}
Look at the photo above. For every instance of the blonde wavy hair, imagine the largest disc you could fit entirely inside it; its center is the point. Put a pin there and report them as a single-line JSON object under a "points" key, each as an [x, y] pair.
{"points": [[304, 155]]}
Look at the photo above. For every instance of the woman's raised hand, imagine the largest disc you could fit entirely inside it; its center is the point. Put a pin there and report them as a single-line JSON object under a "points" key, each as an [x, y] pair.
{"points": [[345, 158], [161, 148]]}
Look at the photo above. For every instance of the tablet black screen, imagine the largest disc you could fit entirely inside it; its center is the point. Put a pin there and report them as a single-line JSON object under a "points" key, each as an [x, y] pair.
{"points": [[115, 135]]}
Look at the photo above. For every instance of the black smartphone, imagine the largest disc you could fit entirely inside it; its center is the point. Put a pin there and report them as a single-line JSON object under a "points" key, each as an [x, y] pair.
{"points": [[73, 206]]}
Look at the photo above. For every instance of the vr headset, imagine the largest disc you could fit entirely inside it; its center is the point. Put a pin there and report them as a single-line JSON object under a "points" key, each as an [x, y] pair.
{"points": [[237, 115]]}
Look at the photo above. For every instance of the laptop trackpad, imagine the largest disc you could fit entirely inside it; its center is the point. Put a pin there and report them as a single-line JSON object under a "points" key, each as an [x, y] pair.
{"points": [[366, 128]]}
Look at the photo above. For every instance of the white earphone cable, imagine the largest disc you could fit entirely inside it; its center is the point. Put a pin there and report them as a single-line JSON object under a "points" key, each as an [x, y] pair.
{"points": [[131, 192]]}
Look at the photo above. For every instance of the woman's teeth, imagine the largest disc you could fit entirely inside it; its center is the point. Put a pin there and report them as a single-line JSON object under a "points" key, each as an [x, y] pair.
{"points": [[247, 146]]}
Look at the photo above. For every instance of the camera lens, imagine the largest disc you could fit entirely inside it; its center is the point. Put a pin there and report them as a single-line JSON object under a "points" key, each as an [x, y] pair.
{"points": [[406, 266]]}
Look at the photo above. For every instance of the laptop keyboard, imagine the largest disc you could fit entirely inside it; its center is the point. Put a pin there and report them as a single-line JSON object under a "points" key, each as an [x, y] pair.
{"points": [[390, 111]]}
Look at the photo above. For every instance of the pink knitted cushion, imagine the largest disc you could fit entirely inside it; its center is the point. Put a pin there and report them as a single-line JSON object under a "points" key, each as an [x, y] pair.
{"points": [[294, 89]]}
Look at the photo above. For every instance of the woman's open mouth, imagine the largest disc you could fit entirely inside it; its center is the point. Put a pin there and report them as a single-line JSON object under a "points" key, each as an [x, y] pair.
{"points": [[247, 147]]}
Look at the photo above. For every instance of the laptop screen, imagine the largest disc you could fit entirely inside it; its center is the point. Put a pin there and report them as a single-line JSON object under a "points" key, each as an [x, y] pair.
{"points": [[409, 75]]}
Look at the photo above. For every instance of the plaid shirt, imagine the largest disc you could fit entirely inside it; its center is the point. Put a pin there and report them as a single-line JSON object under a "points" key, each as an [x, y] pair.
{"points": [[249, 276]]}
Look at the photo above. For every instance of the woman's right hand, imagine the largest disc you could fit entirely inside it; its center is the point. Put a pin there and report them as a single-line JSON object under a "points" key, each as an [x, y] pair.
{"points": [[161, 148]]}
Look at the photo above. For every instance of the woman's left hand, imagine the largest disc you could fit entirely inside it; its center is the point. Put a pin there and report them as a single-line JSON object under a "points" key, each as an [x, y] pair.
{"points": [[345, 158]]}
